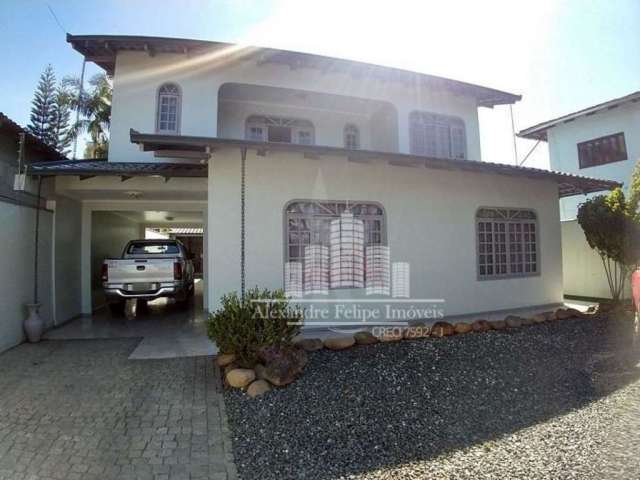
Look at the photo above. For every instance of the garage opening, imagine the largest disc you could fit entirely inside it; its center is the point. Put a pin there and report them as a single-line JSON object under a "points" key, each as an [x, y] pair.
{"points": [[111, 232]]}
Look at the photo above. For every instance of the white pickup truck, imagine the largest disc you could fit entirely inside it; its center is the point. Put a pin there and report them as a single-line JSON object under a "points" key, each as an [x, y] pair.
{"points": [[148, 269]]}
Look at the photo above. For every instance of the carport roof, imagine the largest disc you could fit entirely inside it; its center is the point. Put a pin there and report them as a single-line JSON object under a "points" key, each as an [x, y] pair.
{"points": [[102, 167]]}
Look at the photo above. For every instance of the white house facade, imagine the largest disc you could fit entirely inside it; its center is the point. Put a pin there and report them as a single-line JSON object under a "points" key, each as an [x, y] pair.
{"points": [[601, 141], [274, 150]]}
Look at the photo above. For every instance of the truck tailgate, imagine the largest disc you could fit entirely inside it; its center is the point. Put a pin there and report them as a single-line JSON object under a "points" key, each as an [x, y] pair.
{"points": [[146, 270]]}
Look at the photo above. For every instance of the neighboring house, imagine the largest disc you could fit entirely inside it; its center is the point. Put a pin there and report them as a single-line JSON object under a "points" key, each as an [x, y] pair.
{"points": [[271, 147], [56, 246], [602, 141]]}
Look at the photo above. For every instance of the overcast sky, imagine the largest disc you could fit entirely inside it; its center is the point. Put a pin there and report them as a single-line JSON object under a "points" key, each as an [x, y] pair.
{"points": [[560, 55]]}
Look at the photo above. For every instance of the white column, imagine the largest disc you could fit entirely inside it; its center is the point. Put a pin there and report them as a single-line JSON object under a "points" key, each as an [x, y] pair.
{"points": [[404, 144], [85, 260]]}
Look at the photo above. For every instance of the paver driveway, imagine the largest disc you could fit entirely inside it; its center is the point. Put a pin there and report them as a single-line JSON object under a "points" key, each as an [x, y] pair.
{"points": [[81, 409]]}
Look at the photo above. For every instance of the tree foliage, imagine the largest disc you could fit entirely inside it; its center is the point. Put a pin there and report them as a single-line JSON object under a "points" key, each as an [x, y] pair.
{"points": [[610, 224], [42, 107]]}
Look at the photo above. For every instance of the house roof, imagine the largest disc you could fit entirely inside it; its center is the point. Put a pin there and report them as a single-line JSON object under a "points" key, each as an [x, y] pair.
{"points": [[10, 127], [202, 147], [539, 131], [102, 50]]}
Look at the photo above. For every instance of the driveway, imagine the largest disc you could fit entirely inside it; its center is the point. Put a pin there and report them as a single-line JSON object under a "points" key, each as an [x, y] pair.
{"points": [[82, 410]]}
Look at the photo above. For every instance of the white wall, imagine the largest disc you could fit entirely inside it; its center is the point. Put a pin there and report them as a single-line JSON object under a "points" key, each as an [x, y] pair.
{"points": [[138, 76], [563, 150], [16, 269], [430, 218]]}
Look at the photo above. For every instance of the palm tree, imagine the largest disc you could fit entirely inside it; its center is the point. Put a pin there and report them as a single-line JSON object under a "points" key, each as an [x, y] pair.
{"points": [[94, 107]]}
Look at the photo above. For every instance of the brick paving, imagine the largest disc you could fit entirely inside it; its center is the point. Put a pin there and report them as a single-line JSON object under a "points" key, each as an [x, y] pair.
{"points": [[81, 410]]}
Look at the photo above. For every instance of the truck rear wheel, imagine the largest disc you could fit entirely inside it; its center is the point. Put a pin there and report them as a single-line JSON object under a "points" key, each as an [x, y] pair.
{"points": [[117, 308]]}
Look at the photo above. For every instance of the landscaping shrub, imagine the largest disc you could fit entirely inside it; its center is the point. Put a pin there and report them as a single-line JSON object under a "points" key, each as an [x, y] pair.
{"points": [[264, 318]]}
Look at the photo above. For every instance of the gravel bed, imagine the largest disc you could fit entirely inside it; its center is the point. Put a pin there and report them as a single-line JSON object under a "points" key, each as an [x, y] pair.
{"points": [[557, 400]]}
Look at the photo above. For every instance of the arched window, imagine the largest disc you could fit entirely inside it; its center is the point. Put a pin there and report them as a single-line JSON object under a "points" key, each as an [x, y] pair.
{"points": [[351, 137], [168, 111], [507, 242]]}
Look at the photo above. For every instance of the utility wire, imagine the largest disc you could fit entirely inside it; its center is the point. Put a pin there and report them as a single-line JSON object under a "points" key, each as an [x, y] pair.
{"points": [[55, 17], [530, 152]]}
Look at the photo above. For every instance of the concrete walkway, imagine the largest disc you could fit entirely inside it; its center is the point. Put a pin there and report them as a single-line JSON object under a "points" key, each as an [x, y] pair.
{"points": [[82, 410]]}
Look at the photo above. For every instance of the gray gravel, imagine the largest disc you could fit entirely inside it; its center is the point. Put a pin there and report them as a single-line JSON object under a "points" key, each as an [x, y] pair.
{"points": [[559, 400]]}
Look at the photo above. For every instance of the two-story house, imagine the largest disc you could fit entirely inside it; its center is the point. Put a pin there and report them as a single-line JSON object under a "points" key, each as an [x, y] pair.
{"points": [[290, 156], [602, 141]]}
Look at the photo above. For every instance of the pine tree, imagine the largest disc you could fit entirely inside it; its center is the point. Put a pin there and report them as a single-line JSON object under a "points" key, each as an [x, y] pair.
{"points": [[42, 106], [60, 116]]}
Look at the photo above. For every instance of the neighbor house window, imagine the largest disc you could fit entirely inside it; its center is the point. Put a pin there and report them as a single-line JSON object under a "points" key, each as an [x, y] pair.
{"points": [[351, 137], [169, 105], [435, 135], [266, 128], [507, 242], [308, 223], [600, 151]]}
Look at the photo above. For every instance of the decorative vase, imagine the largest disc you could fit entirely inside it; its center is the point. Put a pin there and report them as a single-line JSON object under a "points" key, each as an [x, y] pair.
{"points": [[33, 325]]}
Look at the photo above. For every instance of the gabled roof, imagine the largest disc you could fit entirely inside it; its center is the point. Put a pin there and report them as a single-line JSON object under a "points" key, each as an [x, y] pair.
{"points": [[12, 128], [102, 50], [539, 131], [568, 184]]}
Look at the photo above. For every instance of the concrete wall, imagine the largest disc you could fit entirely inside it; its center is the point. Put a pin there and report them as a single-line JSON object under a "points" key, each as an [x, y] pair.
{"points": [[583, 273], [16, 269], [430, 218], [563, 150], [138, 77]]}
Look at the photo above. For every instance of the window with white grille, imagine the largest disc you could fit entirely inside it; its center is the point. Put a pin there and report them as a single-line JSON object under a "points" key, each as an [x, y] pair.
{"points": [[439, 136], [507, 242], [351, 137], [168, 110], [266, 128]]}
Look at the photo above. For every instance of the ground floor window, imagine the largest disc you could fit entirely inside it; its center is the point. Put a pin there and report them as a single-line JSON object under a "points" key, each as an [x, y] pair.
{"points": [[507, 242]]}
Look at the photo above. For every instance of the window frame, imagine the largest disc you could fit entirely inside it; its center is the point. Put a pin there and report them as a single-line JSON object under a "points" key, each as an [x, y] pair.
{"points": [[178, 97], [438, 119], [579, 146], [295, 125], [509, 274], [285, 222], [351, 129]]}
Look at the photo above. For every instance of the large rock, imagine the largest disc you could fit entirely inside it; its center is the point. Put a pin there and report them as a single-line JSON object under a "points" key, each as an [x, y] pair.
{"points": [[416, 331], [539, 318], [480, 326], [339, 343], [527, 321], [259, 387], [285, 366], [564, 313], [462, 327], [240, 377], [225, 359], [260, 370], [442, 329], [365, 338], [310, 344], [391, 335], [513, 321], [498, 324]]}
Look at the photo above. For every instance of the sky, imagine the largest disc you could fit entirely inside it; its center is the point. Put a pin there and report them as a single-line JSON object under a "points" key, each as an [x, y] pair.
{"points": [[560, 55]]}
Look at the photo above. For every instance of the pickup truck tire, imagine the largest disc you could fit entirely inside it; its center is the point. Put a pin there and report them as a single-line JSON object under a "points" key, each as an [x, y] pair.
{"points": [[117, 308]]}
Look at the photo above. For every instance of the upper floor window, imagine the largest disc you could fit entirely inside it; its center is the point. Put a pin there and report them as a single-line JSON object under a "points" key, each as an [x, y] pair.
{"points": [[435, 135], [600, 151], [351, 137], [507, 242], [264, 128], [168, 110]]}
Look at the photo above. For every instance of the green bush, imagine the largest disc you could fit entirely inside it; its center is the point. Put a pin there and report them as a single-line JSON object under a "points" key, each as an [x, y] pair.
{"points": [[263, 318]]}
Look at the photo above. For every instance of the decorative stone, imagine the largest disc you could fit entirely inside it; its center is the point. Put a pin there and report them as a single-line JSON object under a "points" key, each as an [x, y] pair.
{"points": [[391, 335], [527, 322], [339, 343], [310, 344], [498, 324], [513, 321], [365, 338], [462, 327], [564, 313], [416, 331], [480, 326], [284, 365], [231, 366], [257, 388], [260, 370], [225, 359], [442, 329], [539, 318], [240, 377]]}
